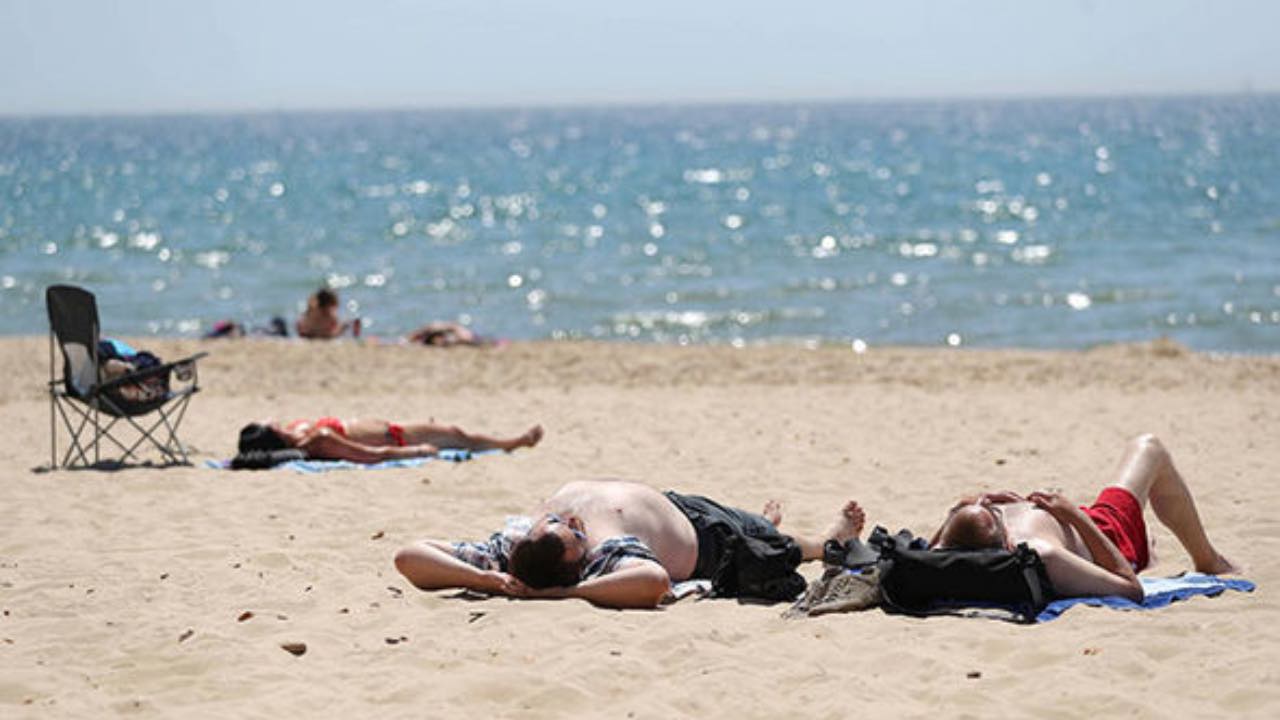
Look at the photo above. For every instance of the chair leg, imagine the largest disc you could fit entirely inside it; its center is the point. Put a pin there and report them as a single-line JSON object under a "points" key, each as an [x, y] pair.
{"points": [[180, 411], [77, 454], [117, 415], [97, 432], [168, 421], [53, 429], [74, 446], [162, 433], [127, 450]]}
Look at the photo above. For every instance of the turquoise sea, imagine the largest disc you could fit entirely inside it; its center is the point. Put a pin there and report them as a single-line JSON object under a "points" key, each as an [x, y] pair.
{"points": [[1045, 223]]}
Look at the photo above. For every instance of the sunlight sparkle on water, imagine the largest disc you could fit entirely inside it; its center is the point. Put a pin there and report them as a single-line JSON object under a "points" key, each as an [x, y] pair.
{"points": [[1078, 301], [901, 225]]}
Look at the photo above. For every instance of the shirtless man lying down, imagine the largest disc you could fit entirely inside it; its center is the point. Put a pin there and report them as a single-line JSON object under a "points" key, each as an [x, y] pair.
{"points": [[1095, 550], [614, 543]]}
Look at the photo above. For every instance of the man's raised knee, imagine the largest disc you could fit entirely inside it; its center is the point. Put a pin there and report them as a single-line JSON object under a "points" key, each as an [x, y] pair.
{"points": [[404, 558]]}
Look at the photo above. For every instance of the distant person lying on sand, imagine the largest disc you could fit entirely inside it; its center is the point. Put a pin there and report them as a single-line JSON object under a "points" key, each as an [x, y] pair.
{"points": [[232, 329], [1095, 550], [320, 320], [371, 441], [614, 543], [446, 334]]}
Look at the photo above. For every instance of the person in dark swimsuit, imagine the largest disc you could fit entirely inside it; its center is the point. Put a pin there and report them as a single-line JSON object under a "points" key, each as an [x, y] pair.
{"points": [[372, 441]]}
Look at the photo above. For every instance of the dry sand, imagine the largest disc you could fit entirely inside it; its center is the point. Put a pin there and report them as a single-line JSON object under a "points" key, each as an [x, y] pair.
{"points": [[128, 592]]}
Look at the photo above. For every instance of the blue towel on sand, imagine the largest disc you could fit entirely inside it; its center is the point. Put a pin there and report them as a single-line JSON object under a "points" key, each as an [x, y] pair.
{"points": [[319, 466], [1159, 592]]}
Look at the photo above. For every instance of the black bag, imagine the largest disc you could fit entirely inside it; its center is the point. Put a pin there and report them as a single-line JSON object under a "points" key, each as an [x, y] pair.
{"points": [[763, 569], [919, 581]]}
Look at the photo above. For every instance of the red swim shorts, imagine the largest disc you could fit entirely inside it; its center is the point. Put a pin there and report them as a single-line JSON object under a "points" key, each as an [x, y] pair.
{"points": [[1118, 514], [396, 433]]}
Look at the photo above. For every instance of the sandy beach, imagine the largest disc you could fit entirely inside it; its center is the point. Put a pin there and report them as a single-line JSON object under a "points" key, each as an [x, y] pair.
{"points": [[168, 592]]}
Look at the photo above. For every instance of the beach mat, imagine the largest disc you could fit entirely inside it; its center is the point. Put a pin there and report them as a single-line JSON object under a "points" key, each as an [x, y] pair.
{"points": [[1158, 592], [320, 466]]}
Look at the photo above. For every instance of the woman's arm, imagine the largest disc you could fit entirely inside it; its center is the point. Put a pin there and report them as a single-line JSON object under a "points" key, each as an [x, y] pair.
{"points": [[323, 443]]}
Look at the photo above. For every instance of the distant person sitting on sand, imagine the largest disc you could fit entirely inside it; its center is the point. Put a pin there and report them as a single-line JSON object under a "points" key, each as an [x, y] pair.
{"points": [[320, 320], [1096, 550], [371, 441], [616, 544], [446, 334]]}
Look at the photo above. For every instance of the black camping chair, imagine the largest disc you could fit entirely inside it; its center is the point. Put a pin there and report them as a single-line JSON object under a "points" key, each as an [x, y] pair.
{"points": [[91, 406]]}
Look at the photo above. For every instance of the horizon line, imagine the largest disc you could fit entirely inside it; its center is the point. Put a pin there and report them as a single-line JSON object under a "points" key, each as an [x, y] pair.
{"points": [[636, 104]]}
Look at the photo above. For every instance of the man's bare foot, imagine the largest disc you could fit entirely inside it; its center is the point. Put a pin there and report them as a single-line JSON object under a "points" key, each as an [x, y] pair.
{"points": [[773, 512], [1220, 566], [530, 438], [849, 525]]}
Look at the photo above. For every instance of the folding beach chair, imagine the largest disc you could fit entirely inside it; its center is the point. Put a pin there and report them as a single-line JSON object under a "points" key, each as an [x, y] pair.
{"points": [[92, 408]]}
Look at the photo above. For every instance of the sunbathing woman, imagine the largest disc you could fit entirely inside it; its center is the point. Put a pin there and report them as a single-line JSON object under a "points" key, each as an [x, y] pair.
{"points": [[447, 334], [370, 441]]}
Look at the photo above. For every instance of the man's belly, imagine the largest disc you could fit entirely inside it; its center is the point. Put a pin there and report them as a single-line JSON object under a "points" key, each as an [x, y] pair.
{"points": [[666, 531], [613, 508]]}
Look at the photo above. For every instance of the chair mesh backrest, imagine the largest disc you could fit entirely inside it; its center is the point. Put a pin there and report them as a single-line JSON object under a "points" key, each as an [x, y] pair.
{"points": [[73, 317]]}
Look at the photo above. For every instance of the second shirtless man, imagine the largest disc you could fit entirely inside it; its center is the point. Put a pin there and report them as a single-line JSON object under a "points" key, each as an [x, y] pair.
{"points": [[1095, 550]]}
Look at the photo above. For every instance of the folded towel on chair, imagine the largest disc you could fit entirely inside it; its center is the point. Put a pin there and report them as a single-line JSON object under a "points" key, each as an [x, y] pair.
{"points": [[319, 466]]}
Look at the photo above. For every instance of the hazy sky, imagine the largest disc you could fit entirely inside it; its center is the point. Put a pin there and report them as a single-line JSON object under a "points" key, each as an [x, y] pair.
{"points": [[93, 56]]}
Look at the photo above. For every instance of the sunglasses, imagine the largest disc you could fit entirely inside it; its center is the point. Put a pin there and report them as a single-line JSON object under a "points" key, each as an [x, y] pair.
{"points": [[553, 519]]}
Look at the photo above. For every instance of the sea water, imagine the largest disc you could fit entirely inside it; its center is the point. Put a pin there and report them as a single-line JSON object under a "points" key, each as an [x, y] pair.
{"points": [[1046, 224]]}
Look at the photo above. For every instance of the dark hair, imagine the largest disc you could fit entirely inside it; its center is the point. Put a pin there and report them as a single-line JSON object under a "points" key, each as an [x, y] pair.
{"points": [[326, 297], [539, 562], [264, 459], [257, 436]]}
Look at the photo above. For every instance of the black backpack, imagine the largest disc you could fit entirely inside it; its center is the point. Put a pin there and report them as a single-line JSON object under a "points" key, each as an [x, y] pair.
{"points": [[918, 581], [759, 568]]}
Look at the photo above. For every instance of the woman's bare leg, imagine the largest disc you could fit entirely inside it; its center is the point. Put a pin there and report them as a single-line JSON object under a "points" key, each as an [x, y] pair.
{"points": [[1148, 472], [452, 436]]}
